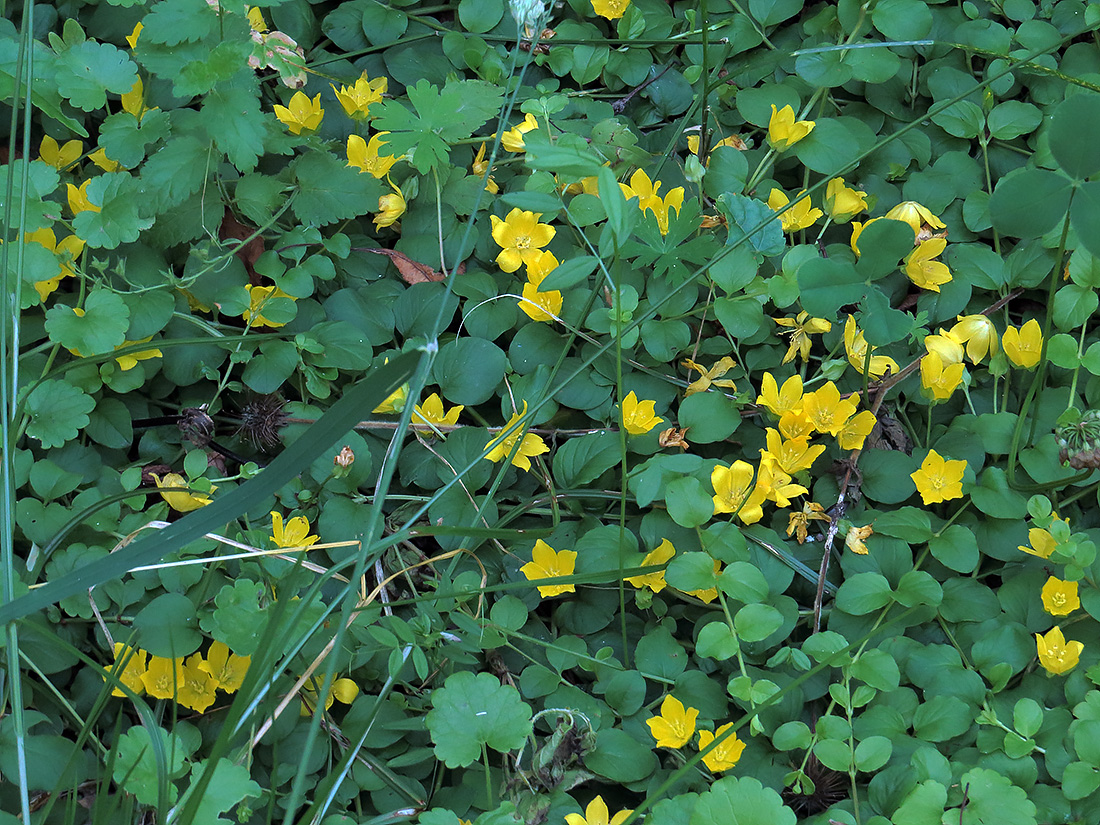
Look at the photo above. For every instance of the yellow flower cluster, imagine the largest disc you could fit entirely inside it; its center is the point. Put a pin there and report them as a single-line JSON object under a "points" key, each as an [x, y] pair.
{"points": [[1060, 598], [191, 682], [942, 369], [675, 727]]}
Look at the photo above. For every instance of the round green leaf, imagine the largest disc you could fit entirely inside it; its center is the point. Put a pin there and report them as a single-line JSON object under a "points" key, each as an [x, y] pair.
{"points": [[1030, 203], [469, 370], [756, 622], [479, 16], [903, 19], [689, 504], [1085, 216], [864, 592], [620, 757], [1013, 118], [168, 626], [873, 752], [709, 417], [956, 548], [1072, 128], [735, 800], [717, 641], [471, 710]]}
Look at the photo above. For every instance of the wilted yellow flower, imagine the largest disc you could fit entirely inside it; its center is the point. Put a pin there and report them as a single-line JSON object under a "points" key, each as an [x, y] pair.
{"points": [[733, 141], [365, 156], [302, 116], [856, 540], [1042, 543], [530, 445], [639, 417], [180, 500], [784, 131], [979, 334], [801, 327], [925, 272], [727, 754], [390, 207], [480, 166], [938, 380], [676, 724], [798, 523], [356, 100], [856, 346], [431, 412], [295, 534], [661, 554], [939, 479], [547, 563], [649, 199], [780, 401], [711, 377], [512, 140], [1060, 597], [59, 157], [596, 813], [915, 215], [610, 10], [799, 216], [1057, 655], [1024, 346], [734, 492], [521, 237], [842, 203]]}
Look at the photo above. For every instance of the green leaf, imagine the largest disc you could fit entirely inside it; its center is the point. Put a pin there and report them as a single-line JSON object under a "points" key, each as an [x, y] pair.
{"points": [[469, 370], [101, 329], [1073, 122], [167, 626], [995, 498], [918, 587], [962, 120], [177, 21], [689, 504], [238, 619], [229, 785], [1085, 215], [479, 16], [864, 592], [582, 460], [1013, 118], [902, 19], [877, 668], [124, 138], [923, 805], [43, 181], [57, 412], [833, 145], [1079, 780], [233, 120], [619, 757], [749, 217], [1029, 203], [955, 548], [85, 73], [139, 763], [710, 416], [717, 641], [691, 571], [827, 284], [469, 711], [330, 191], [941, 718], [744, 582], [544, 203], [119, 220], [569, 273], [735, 800], [756, 622], [992, 797]]}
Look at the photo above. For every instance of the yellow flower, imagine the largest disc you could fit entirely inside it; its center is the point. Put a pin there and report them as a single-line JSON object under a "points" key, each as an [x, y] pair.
{"points": [[521, 238], [979, 334], [939, 479], [226, 668], [857, 230], [646, 191], [709, 594], [915, 215], [390, 207], [856, 540], [130, 359], [734, 492], [842, 203], [610, 10], [134, 101], [780, 401], [78, 198], [946, 345], [794, 454], [431, 412], [798, 522], [256, 20], [356, 100], [925, 272], [258, 296], [366, 158], [547, 563], [1059, 597], [784, 131], [537, 304], [676, 724], [796, 423], [395, 401], [855, 430], [59, 157], [826, 410], [132, 671], [661, 554], [940, 381], [639, 417], [799, 216], [68, 250], [295, 534], [596, 813], [197, 691], [342, 690], [132, 37], [180, 500], [1024, 346], [727, 754], [302, 116], [856, 346], [733, 141], [512, 140], [774, 484], [163, 677], [802, 327], [1056, 654], [711, 377], [1042, 543], [530, 445], [100, 159], [480, 166]]}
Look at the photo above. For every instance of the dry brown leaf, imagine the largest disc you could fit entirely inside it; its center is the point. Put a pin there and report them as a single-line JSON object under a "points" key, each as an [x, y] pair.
{"points": [[412, 272]]}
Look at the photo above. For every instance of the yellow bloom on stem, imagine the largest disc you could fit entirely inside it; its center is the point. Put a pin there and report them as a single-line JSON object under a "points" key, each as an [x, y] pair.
{"points": [[734, 492], [794, 454], [547, 563], [947, 345], [709, 594], [100, 159], [521, 238], [1024, 346], [198, 689], [512, 140], [774, 484], [939, 479], [856, 540], [827, 411], [132, 37], [356, 100], [480, 166], [855, 430], [1060, 597], [842, 203], [915, 215], [798, 522], [59, 157], [639, 417], [1042, 543], [661, 554], [132, 671], [294, 534], [796, 423], [365, 156], [676, 724], [537, 304], [733, 142], [801, 327], [856, 346], [779, 401], [302, 116], [596, 813], [610, 10], [799, 216], [342, 690], [1056, 654], [784, 131], [529, 447], [226, 668], [979, 334], [78, 198], [390, 207], [925, 272], [180, 500], [431, 412], [163, 677], [69, 250], [649, 199], [258, 297], [711, 377], [726, 755], [938, 380]]}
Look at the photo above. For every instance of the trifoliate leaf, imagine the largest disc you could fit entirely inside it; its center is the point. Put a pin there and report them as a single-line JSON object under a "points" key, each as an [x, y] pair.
{"points": [[469, 711], [102, 327], [330, 191], [85, 73], [58, 411], [118, 220]]}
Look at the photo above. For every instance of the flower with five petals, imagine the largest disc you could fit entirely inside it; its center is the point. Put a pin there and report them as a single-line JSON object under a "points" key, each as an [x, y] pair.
{"points": [[939, 479], [639, 417], [366, 157], [1060, 597], [779, 401], [431, 412], [530, 445], [925, 272], [728, 752], [939, 380], [596, 813], [649, 199], [1057, 655], [356, 100], [548, 563], [294, 534], [734, 492], [799, 216], [711, 377], [784, 131], [979, 334], [676, 724], [521, 238], [1024, 346], [302, 115]]}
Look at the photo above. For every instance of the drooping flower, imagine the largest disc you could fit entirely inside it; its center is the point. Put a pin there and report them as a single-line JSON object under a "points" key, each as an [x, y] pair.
{"points": [[59, 157], [68, 250], [163, 677], [711, 377], [661, 554], [180, 500], [1057, 655], [1024, 346], [1041, 541], [979, 334], [480, 166], [529, 447], [916, 216], [226, 668], [132, 671], [792, 455], [303, 115], [521, 238], [734, 492], [537, 304], [78, 198], [198, 688], [365, 156], [727, 754], [1060, 597], [938, 380], [733, 141], [294, 534], [784, 131], [779, 401], [939, 479], [856, 540], [798, 523], [801, 327], [855, 430], [649, 199], [925, 272], [547, 563], [258, 298], [431, 412], [842, 203], [827, 410], [610, 10], [513, 140], [639, 417], [947, 345], [390, 207], [799, 216], [357, 99], [596, 813], [856, 346], [676, 724]]}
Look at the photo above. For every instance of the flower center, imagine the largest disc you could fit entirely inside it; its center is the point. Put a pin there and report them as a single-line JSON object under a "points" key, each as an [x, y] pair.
{"points": [[523, 243]]}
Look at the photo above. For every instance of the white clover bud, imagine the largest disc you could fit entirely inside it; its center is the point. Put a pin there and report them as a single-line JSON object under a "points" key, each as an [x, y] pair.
{"points": [[528, 15]]}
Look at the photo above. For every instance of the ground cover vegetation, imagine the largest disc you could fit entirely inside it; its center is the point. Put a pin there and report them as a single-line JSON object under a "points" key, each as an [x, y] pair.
{"points": [[493, 413]]}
